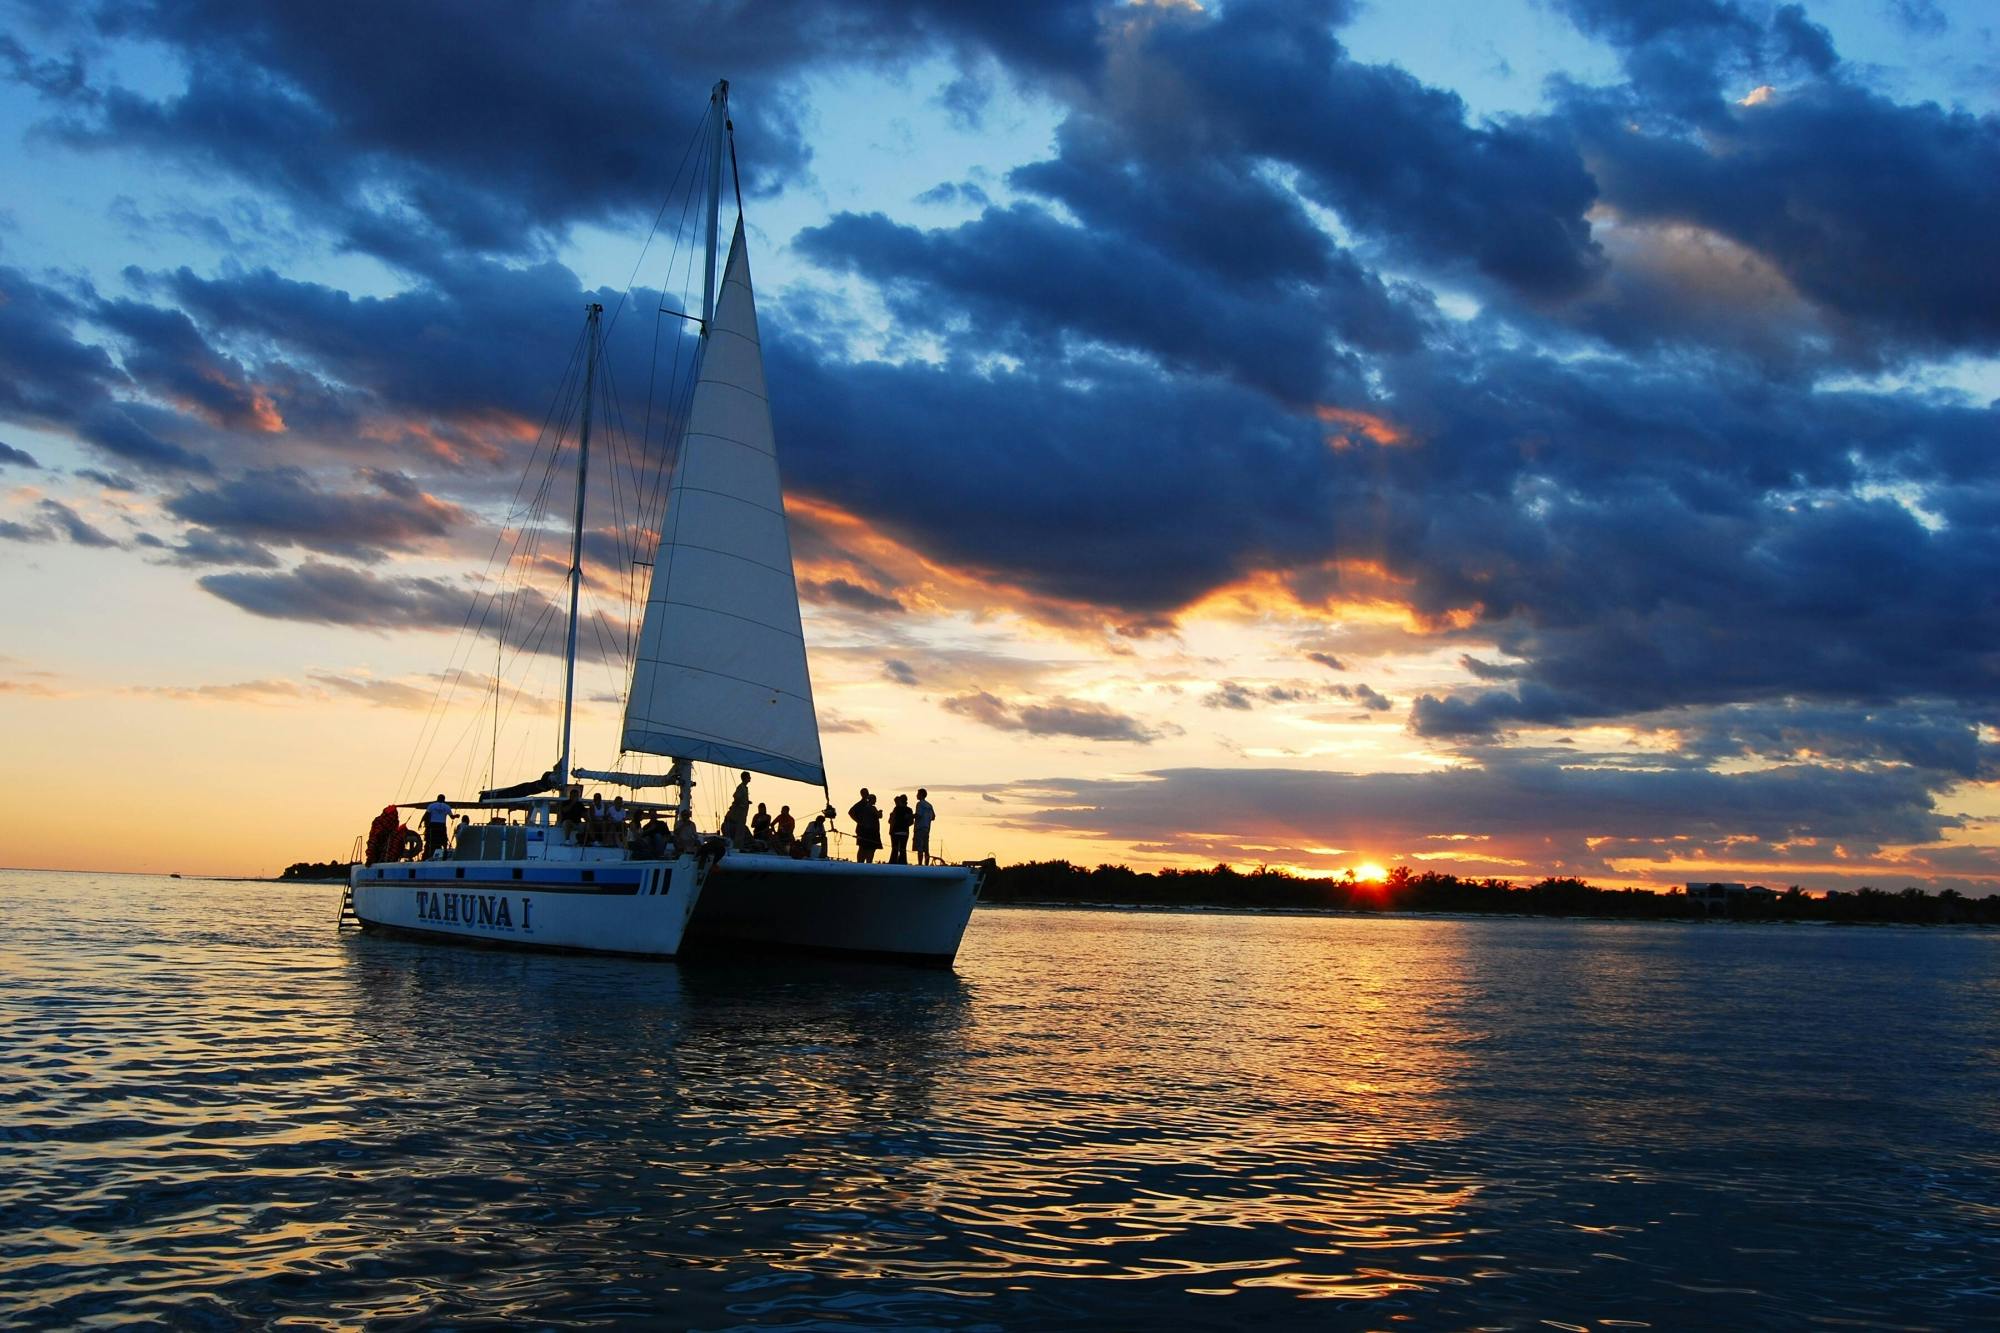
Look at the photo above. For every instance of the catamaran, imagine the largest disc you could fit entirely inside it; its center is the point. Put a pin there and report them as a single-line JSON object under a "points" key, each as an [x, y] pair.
{"points": [[719, 676]]}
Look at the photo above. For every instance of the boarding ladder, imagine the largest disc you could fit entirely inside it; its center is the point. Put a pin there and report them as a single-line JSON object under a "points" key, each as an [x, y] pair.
{"points": [[346, 913]]}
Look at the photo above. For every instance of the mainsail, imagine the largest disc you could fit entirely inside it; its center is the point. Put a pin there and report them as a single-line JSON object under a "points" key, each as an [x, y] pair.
{"points": [[721, 669]]}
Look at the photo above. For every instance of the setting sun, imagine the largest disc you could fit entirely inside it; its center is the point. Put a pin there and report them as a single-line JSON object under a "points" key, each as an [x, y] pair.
{"points": [[1370, 872]]}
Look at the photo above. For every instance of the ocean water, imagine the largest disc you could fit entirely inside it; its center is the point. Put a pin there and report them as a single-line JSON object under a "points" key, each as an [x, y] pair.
{"points": [[216, 1112]]}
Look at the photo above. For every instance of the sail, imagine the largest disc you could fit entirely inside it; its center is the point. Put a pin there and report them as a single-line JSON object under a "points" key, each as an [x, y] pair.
{"points": [[721, 668]]}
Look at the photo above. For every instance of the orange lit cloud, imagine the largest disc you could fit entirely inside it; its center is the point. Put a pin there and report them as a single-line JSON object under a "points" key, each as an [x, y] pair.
{"points": [[841, 558], [1377, 429]]}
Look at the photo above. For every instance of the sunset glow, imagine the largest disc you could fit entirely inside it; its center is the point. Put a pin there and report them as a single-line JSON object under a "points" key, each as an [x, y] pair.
{"points": [[1167, 483]]}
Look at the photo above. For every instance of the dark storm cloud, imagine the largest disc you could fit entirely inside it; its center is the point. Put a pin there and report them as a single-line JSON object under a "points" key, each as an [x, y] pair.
{"points": [[1934, 740], [110, 481], [1017, 272], [283, 507], [417, 130], [326, 594], [955, 192], [1235, 695], [49, 377], [1679, 56], [1058, 484], [1840, 600], [1504, 199], [1051, 717], [199, 546], [410, 128], [56, 521], [164, 352], [1790, 179], [1364, 695], [12, 457], [845, 592], [1530, 810], [472, 337]]}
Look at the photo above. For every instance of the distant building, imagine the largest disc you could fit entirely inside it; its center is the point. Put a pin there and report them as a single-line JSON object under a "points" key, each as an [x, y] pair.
{"points": [[1721, 899]]}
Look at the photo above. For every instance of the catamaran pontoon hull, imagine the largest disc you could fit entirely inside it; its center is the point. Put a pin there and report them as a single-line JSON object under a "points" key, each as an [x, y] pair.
{"points": [[625, 907], [914, 914], [662, 909]]}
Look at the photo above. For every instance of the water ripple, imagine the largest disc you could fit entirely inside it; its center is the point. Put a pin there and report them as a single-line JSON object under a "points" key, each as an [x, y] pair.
{"points": [[216, 1113]]}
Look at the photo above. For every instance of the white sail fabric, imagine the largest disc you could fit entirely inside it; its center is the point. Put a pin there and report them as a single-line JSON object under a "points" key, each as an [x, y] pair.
{"points": [[721, 671]]}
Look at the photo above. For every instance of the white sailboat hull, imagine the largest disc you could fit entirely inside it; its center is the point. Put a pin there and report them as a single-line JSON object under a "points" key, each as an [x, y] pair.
{"points": [[915, 914], [663, 909], [623, 907]]}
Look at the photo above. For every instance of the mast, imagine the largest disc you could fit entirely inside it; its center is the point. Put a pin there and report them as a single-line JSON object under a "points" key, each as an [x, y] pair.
{"points": [[718, 129], [592, 312]]}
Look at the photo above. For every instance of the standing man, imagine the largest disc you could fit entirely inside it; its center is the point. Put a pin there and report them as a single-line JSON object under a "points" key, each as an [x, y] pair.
{"points": [[867, 826], [437, 821], [925, 816], [900, 819], [736, 823]]}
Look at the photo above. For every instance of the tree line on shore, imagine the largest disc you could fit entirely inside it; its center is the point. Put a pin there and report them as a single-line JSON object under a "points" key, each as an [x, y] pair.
{"points": [[1405, 890]]}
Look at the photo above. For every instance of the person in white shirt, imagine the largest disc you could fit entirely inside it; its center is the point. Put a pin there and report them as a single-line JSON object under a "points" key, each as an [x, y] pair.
{"points": [[925, 816], [437, 821]]}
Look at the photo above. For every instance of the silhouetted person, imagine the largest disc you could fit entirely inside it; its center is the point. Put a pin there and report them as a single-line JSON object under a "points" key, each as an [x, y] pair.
{"points": [[900, 819], [736, 823], [760, 824], [687, 840], [926, 816], [783, 829], [867, 819], [812, 843], [573, 815], [437, 822]]}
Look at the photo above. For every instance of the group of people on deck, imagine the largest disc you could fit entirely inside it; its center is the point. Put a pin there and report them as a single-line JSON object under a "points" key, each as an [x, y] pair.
{"points": [[602, 823], [775, 835], [909, 828]]}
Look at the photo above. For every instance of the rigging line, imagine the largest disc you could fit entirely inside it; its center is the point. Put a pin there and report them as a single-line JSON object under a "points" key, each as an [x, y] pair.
{"points": [[454, 676], [628, 529], [735, 172], [696, 137], [515, 697], [623, 475], [413, 761], [679, 389], [529, 535]]}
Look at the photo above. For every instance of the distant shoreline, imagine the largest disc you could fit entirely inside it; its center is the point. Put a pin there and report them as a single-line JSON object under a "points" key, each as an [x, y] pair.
{"points": [[1418, 913]]}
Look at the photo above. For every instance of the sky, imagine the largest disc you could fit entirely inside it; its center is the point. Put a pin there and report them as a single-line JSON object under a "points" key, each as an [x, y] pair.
{"points": [[1518, 438]]}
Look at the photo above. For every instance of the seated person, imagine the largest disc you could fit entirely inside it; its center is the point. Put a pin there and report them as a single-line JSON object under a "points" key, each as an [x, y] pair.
{"points": [[653, 841], [574, 816], [686, 840]]}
